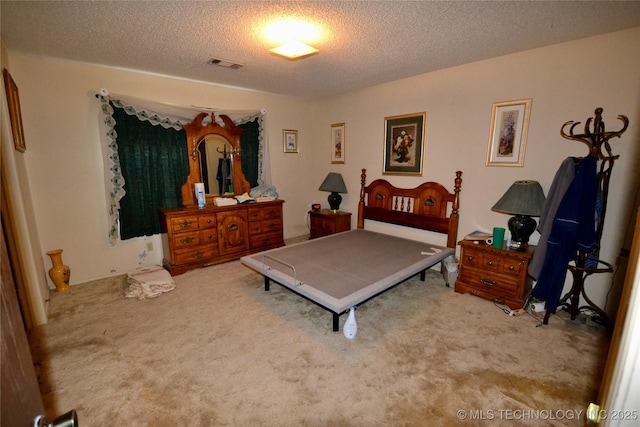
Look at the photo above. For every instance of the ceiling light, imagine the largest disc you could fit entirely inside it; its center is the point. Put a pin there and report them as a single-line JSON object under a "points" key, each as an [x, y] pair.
{"points": [[294, 50]]}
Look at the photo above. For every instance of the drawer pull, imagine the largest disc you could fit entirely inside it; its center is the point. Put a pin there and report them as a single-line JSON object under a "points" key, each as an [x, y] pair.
{"points": [[186, 224], [187, 240], [266, 240], [233, 227], [490, 263], [487, 281], [511, 267], [198, 254], [470, 258]]}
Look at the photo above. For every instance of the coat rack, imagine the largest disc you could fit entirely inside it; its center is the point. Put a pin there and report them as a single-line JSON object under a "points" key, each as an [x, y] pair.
{"points": [[590, 263]]}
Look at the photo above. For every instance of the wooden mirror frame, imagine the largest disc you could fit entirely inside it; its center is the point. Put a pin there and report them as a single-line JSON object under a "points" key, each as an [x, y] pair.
{"points": [[196, 132]]}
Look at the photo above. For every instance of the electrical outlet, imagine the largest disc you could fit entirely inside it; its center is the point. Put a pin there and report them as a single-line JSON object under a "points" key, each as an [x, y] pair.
{"points": [[149, 246]]}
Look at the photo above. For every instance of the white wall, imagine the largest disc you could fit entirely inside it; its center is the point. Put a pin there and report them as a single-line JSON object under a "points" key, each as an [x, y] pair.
{"points": [[566, 82], [64, 161]]}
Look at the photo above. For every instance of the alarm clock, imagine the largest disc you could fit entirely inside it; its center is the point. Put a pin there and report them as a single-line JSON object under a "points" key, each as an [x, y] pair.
{"points": [[315, 207]]}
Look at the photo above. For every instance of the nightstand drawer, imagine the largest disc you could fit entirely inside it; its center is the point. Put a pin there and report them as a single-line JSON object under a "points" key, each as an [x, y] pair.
{"points": [[488, 281]]}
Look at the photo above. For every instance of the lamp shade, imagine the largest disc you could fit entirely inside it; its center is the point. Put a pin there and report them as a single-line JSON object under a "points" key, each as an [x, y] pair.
{"points": [[522, 198], [333, 183]]}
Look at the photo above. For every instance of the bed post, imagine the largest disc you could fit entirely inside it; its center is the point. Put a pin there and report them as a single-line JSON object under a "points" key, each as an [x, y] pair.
{"points": [[363, 180], [454, 217]]}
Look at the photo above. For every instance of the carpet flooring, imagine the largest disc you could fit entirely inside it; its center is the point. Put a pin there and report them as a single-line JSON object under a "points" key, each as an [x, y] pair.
{"points": [[220, 351]]}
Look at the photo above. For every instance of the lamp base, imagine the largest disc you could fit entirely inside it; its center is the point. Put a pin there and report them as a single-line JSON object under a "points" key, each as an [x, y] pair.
{"points": [[521, 228], [334, 200]]}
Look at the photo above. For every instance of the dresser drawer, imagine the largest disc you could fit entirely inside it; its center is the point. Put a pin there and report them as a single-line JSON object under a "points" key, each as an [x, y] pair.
{"points": [[258, 213], [191, 238], [184, 223], [209, 236], [266, 227], [207, 221], [264, 240], [197, 253]]}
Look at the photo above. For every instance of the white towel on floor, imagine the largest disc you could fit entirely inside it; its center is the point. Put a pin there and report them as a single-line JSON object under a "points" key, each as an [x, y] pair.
{"points": [[148, 282]]}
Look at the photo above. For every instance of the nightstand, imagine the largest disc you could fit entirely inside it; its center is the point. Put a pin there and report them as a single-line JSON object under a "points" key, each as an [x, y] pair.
{"points": [[325, 222], [499, 275]]}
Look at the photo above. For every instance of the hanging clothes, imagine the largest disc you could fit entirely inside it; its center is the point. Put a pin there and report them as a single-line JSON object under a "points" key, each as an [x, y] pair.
{"points": [[573, 230], [561, 182]]}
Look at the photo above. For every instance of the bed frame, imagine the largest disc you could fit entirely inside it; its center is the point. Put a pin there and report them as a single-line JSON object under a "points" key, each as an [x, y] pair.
{"points": [[318, 271]]}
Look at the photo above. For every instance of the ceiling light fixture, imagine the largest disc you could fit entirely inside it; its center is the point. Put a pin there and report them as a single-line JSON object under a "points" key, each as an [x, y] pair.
{"points": [[294, 50], [291, 36]]}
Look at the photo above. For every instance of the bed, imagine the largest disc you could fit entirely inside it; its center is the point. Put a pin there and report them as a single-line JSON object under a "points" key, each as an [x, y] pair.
{"points": [[346, 269]]}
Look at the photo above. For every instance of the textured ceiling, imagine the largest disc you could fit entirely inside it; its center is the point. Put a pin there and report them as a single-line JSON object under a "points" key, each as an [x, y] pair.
{"points": [[366, 42]]}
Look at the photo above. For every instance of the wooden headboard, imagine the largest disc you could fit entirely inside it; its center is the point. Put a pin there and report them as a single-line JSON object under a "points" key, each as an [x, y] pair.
{"points": [[424, 207]]}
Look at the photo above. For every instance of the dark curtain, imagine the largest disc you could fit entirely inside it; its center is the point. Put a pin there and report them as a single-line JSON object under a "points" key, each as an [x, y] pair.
{"points": [[154, 166], [249, 146]]}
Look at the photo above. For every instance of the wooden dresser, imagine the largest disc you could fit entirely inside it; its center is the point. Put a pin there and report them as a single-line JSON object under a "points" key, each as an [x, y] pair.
{"points": [[325, 222], [499, 275], [197, 237]]}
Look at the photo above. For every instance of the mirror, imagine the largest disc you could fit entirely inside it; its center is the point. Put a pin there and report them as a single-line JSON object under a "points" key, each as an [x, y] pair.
{"points": [[216, 165], [227, 136]]}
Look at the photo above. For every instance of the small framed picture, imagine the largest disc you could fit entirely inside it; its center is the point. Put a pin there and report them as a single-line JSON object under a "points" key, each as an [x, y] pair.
{"points": [[338, 140], [15, 115], [508, 136], [290, 140], [404, 144]]}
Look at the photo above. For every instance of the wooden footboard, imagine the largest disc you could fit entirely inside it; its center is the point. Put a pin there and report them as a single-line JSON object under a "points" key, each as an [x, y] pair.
{"points": [[425, 207]]}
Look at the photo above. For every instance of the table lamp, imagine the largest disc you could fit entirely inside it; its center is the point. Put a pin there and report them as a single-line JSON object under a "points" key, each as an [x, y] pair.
{"points": [[335, 185], [523, 199]]}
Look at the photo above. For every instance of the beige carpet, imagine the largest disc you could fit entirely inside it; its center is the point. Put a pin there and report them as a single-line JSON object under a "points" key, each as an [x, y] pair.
{"points": [[220, 351]]}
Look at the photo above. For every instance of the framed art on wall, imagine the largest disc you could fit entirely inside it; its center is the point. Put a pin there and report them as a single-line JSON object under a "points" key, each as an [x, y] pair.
{"points": [[15, 115], [508, 136], [290, 140], [338, 140], [404, 144]]}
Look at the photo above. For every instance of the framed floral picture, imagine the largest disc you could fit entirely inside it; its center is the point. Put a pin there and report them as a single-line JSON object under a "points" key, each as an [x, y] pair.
{"points": [[290, 140], [404, 144], [15, 115], [508, 136], [338, 141]]}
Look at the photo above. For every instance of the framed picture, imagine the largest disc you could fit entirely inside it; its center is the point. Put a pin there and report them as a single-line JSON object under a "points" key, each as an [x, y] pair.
{"points": [[404, 144], [338, 141], [290, 140], [508, 137], [15, 116]]}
